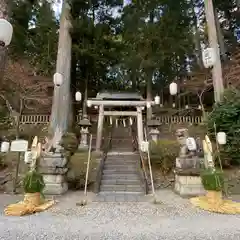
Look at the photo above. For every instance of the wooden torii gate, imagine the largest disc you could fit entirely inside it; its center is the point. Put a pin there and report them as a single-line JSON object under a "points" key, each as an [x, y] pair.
{"points": [[101, 103]]}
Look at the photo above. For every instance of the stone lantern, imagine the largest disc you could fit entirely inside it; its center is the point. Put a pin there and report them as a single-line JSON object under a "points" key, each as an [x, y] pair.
{"points": [[154, 133], [84, 124]]}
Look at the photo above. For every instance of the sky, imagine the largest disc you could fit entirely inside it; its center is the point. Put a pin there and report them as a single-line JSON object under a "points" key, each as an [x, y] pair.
{"points": [[57, 7]]}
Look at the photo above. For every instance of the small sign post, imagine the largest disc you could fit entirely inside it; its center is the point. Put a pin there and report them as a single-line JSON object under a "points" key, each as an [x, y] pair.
{"points": [[18, 146]]}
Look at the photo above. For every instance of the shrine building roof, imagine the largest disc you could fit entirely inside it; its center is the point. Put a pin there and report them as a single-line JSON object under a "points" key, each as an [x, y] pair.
{"points": [[119, 96]]}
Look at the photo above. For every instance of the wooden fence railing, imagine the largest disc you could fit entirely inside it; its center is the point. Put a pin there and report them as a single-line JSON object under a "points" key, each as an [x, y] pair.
{"points": [[180, 119], [164, 119]]}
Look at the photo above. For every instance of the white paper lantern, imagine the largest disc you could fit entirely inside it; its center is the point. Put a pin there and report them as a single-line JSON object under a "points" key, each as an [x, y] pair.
{"points": [[221, 138], [173, 105], [89, 103], [148, 104], [173, 88], [209, 57], [78, 96], [5, 147], [157, 100], [28, 156], [142, 108], [144, 146], [186, 107], [6, 32], [95, 107], [58, 79]]}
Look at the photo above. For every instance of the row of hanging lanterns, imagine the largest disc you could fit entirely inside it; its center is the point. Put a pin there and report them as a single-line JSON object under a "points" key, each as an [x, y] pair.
{"points": [[173, 89], [58, 81]]}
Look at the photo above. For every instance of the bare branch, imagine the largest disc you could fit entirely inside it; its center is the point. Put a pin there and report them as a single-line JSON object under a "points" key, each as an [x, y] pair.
{"points": [[21, 85]]}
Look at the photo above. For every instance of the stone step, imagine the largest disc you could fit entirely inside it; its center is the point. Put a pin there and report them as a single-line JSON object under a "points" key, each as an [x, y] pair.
{"points": [[112, 197], [121, 171], [121, 188], [122, 157], [120, 176], [120, 182], [121, 168], [120, 149], [118, 163], [121, 160]]}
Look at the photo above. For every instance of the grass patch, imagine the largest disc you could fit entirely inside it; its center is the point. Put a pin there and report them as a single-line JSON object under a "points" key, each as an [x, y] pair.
{"points": [[77, 169]]}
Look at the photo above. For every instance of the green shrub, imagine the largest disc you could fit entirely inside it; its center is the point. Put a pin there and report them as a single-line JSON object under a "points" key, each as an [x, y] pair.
{"points": [[212, 180], [226, 116], [69, 142], [77, 169], [33, 182], [163, 153]]}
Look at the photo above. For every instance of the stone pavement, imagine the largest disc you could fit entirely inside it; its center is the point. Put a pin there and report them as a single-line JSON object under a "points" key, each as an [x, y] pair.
{"points": [[120, 197], [173, 219]]}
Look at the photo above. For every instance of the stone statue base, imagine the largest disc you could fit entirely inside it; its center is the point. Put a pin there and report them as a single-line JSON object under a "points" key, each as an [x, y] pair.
{"points": [[188, 162], [53, 168], [188, 183], [82, 146]]}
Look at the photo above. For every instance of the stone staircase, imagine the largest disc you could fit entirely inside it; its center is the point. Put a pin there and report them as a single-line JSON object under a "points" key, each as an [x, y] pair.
{"points": [[121, 177]]}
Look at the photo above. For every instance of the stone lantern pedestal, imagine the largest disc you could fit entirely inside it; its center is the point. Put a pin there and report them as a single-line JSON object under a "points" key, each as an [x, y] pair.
{"points": [[53, 168], [154, 131], [84, 124], [187, 170]]}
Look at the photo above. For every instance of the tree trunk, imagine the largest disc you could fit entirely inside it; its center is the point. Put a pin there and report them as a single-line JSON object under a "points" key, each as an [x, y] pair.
{"points": [[149, 74], [85, 97], [197, 41], [220, 36], [61, 115]]}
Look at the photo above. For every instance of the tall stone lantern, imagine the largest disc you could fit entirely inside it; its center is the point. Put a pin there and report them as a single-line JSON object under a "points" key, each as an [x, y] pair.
{"points": [[85, 125], [154, 132]]}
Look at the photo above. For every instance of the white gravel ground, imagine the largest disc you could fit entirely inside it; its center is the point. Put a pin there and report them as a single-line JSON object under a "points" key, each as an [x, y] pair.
{"points": [[174, 219]]}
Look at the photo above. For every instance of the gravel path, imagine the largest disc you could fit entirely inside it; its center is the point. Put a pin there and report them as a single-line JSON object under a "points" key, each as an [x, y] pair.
{"points": [[173, 219]]}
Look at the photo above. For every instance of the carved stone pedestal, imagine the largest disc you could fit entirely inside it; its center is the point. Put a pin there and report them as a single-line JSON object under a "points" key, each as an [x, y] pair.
{"points": [[85, 124], [188, 163], [53, 168], [188, 183]]}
